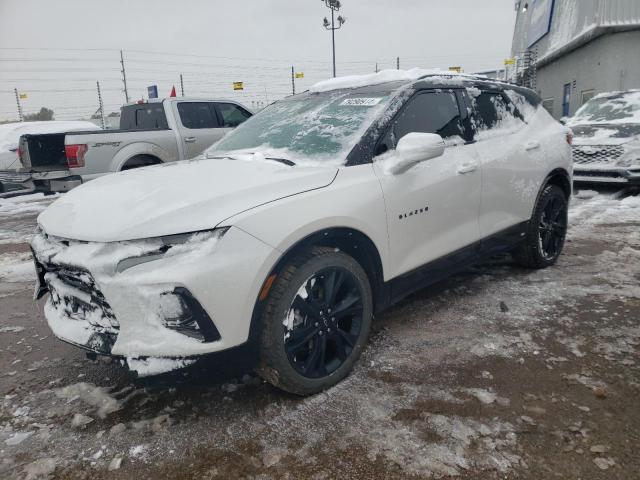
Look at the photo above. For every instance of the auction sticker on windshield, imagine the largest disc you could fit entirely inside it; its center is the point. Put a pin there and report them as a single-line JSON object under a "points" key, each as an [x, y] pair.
{"points": [[362, 101]]}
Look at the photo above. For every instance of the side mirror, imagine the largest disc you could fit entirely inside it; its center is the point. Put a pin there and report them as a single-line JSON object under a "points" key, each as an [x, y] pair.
{"points": [[414, 148]]}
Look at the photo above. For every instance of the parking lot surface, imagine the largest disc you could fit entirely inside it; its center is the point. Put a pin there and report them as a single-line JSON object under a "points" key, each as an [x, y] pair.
{"points": [[499, 372]]}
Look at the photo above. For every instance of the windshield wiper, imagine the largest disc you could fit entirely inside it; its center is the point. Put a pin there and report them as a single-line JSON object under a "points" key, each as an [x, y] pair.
{"points": [[275, 159], [282, 160]]}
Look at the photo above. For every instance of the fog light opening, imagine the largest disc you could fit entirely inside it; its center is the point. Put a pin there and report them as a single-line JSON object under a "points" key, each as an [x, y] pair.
{"points": [[183, 314]]}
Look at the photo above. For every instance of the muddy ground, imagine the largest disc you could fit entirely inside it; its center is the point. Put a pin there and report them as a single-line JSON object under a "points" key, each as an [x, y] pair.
{"points": [[498, 372]]}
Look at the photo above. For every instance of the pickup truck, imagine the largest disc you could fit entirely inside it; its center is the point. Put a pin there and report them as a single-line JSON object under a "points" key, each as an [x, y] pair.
{"points": [[151, 132]]}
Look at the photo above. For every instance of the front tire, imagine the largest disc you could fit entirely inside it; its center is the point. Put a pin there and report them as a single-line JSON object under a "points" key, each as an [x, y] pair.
{"points": [[546, 231], [316, 321]]}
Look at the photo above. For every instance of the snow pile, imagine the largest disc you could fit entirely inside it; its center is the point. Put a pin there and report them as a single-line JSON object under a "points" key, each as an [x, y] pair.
{"points": [[96, 397], [385, 76], [155, 366], [16, 268], [10, 132]]}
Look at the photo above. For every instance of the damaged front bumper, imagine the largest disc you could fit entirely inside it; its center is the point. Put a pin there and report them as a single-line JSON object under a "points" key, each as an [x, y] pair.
{"points": [[147, 299]]}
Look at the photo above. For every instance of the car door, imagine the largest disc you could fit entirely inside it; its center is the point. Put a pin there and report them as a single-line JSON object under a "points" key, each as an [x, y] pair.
{"points": [[199, 127], [432, 208], [231, 115], [507, 157]]}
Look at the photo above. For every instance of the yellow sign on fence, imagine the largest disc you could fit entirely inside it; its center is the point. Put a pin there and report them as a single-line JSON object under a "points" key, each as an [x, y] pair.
{"points": [[510, 61], [238, 85], [23, 96], [300, 75], [455, 69]]}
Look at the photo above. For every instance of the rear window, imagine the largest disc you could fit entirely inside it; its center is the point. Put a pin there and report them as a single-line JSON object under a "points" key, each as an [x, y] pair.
{"points": [[492, 109], [143, 117], [197, 115]]}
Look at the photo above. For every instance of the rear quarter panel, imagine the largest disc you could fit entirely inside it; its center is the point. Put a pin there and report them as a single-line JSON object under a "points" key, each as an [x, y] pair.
{"points": [[108, 152]]}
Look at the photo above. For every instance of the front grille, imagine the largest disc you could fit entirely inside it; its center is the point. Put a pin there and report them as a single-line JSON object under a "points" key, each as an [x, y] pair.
{"points": [[588, 154], [97, 311], [596, 174]]}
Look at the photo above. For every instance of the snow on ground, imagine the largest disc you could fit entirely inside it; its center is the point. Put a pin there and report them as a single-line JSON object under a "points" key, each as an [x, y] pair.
{"points": [[405, 406], [13, 212], [16, 268]]}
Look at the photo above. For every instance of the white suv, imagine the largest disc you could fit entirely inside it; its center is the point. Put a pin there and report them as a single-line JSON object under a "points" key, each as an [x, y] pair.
{"points": [[301, 224]]}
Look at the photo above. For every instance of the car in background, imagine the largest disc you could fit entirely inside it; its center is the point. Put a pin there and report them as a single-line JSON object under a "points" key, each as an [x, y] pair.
{"points": [[294, 229], [11, 175], [606, 145], [152, 132]]}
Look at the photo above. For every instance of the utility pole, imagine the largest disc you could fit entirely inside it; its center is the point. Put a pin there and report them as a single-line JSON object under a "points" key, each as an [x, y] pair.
{"points": [[398, 63], [181, 85], [334, 6], [124, 78], [293, 80], [101, 107], [376, 67], [20, 116]]}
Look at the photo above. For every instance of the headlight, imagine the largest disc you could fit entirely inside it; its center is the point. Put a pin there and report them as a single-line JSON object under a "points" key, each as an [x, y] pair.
{"points": [[172, 245]]}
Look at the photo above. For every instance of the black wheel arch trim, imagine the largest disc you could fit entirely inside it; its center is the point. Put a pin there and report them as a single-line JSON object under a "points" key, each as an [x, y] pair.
{"points": [[368, 257]]}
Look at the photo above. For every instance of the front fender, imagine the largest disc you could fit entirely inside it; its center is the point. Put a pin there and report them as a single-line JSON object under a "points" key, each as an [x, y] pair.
{"points": [[354, 201]]}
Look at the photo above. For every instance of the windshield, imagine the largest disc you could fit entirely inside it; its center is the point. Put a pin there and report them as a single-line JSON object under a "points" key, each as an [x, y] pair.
{"points": [[310, 128], [620, 108]]}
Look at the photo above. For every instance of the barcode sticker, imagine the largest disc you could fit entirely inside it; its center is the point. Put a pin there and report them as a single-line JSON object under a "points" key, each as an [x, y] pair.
{"points": [[361, 102]]}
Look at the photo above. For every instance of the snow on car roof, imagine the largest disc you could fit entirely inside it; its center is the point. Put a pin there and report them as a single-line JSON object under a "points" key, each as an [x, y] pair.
{"points": [[386, 76]]}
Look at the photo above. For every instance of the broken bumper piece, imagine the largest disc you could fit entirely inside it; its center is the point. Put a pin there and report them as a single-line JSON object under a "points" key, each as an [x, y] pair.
{"points": [[149, 303]]}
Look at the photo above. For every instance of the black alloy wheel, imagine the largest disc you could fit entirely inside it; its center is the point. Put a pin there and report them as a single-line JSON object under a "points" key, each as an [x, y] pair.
{"points": [[325, 322]]}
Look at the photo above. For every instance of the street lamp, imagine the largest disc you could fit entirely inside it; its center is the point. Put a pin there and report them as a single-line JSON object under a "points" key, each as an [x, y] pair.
{"points": [[334, 6]]}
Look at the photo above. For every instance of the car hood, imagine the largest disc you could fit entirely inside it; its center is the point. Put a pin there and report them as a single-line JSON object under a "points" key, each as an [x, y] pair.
{"points": [[174, 198], [605, 134]]}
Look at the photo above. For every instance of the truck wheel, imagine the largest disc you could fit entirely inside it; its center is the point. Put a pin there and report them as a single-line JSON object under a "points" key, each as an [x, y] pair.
{"points": [[140, 161], [546, 231], [316, 321]]}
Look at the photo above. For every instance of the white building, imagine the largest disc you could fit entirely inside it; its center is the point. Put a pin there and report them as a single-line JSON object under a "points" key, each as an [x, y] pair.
{"points": [[570, 50]]}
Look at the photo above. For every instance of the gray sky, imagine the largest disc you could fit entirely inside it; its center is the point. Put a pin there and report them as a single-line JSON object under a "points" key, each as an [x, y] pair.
{"points": [[55, 51]]}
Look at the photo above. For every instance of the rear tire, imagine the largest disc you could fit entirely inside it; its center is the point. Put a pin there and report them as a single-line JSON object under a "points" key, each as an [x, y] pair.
{"points": [[140, 161], [316, 321], [546, 231]]}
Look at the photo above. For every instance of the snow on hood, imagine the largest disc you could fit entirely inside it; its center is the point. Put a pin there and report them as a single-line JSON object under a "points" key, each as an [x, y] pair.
{"points": [[174, 198], [384, 76], [605, 134]]}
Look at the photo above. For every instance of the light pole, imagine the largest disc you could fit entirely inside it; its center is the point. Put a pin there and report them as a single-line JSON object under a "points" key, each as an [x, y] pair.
{"points": [[334, 6]]}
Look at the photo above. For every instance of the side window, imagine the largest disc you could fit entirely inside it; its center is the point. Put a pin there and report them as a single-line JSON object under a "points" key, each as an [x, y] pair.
{"points": [[232, 115], [492, 108], [197, 115], [149, 117], [435, 112]]}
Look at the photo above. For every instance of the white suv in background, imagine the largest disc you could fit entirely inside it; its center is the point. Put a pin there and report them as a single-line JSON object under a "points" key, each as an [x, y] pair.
{"points": [[316, 213]]}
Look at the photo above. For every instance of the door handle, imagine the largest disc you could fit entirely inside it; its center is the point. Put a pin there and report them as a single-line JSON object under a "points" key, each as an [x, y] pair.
{"points": [[190, 139], [467, 168], [532, 146]]}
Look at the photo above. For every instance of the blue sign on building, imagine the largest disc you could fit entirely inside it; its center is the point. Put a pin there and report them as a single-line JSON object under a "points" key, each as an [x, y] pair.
{"points": [[152, 91], [541, 12]]}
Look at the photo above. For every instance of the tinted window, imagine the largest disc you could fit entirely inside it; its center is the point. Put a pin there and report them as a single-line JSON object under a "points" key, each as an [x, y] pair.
{"points": [[232, 115], [196, 115], [492, 108], [430, 113], [488, 108], [143, 117]]}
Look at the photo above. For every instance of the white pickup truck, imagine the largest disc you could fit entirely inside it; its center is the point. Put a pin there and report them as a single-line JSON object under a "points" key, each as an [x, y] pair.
{"points": [[152, 132]]}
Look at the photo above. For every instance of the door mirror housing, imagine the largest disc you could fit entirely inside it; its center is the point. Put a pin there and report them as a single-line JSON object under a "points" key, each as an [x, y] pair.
{"points": [[414, 148]]}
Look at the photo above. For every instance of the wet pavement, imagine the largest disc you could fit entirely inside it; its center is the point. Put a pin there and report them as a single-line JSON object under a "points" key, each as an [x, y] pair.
{"points": [[498, 372]]}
